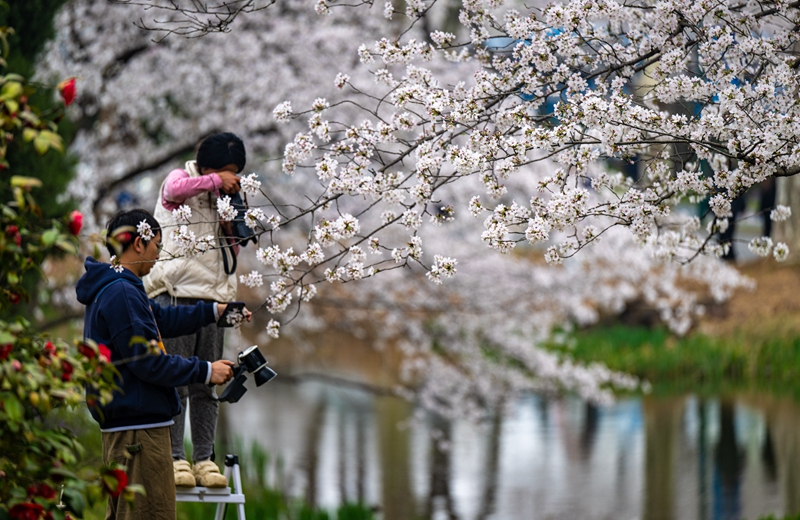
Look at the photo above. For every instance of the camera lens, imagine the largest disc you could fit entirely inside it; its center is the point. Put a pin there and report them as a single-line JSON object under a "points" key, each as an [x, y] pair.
{"points": [[264, 375]]}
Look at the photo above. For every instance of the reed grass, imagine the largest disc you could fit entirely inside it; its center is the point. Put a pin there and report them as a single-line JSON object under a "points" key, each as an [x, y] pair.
{"points": [[698, 362]]}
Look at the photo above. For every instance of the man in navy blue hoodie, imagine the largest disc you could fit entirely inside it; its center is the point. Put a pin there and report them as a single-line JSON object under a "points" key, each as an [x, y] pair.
{"points": [[136, 423]]}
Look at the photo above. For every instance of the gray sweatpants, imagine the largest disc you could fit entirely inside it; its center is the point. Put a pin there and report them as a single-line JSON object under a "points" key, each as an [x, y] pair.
{"points": [[206, 344]]}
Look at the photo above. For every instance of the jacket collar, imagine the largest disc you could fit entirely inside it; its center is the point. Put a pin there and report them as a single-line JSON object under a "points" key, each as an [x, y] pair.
{"points": [[191, 169]]}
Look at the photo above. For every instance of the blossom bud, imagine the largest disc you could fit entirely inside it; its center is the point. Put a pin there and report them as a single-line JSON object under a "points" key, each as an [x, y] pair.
{"points": [[75, 222], [66, 370], [105, 353], [67, 90], [87, 351], [121, 482]]}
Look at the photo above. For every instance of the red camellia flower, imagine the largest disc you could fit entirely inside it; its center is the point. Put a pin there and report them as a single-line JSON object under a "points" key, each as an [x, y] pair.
{"points": [[13, 233], [67, 90], [17, 365], [87, 350], [42, 490], [14, 298], [105, 353], [75, 222], [122, 482], [26, 511], [66, 370], [49, 348], [5, 350]]}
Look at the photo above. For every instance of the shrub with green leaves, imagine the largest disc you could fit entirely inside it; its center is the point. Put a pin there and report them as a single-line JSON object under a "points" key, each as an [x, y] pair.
{"points": [[40, 375]]}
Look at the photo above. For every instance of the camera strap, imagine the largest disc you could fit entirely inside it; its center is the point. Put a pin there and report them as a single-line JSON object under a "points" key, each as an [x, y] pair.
{"points": [[225, 249]]}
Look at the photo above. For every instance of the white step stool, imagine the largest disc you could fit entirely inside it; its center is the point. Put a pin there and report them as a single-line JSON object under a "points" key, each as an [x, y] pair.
{"points": [[220, 496]]}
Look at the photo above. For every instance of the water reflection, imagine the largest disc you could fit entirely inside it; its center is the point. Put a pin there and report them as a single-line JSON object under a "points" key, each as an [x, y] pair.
{"points": [[686, 458], [649, 458]]}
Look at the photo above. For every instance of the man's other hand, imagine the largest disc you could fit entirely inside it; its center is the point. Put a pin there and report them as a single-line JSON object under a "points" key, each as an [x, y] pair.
{"points": [[221, 310], [221, 371]]}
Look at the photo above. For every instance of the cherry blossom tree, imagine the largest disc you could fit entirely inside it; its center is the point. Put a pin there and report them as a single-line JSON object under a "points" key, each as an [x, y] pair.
{"points": [[399, 128]]}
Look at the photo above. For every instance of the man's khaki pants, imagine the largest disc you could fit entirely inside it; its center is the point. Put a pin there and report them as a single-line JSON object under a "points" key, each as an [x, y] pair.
{"points": [[147, 457]]}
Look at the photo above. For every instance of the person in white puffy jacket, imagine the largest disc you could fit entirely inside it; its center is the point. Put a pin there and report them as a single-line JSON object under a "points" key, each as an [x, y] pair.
{"points": [[186, 280]]}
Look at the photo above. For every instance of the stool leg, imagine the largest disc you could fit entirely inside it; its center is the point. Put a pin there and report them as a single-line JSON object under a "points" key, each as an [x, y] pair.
{"points": [[237, 488], [222, 508]]}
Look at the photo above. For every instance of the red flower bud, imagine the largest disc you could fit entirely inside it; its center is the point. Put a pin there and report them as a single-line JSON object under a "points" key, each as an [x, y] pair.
{"points": [[17, 365], [14, 298], [121, 482], [75, 222], [87, 351], [11, 230], [66, 370], [67, 90], [42, 490], [26, 511], [49, 349], [105, 353], [5, 350]]}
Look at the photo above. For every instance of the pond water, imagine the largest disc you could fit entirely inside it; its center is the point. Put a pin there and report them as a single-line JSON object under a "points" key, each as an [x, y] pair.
{"points": [[649, 458]]}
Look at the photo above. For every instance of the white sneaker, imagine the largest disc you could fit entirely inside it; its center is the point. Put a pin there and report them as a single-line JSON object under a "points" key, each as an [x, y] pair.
{"points": [[183, 474], [207, 474]]}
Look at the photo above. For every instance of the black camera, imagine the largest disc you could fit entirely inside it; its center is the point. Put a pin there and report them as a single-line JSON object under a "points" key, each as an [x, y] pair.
{"points": [[253, 361]]}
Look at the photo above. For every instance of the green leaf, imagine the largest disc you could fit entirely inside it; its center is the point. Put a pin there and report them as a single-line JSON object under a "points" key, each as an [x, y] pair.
{"points": [[29, 117], [64, 473], [12, 106], [19, 197], [53, 139], [25, 182], [13, 408], [11, 90], [13, 279], [49, 237], [29, 134], [6, 337], [75, 501], [66, 245], [41, 144]]}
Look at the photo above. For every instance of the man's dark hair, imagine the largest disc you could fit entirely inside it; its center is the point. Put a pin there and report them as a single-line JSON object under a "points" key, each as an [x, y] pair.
{"points": [[220, 150], [121, 229]]}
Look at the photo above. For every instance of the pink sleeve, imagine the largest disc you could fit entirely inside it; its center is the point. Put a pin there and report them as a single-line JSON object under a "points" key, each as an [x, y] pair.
{"points": [[179, 187]]}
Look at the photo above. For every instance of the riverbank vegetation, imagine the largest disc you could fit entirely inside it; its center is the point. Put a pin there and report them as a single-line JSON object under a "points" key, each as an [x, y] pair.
{"points": [[752, 342], [697, 361]]}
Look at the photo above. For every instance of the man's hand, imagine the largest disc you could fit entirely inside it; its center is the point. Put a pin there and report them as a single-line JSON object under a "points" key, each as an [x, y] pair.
{"points": [[221, 372], [230, 182]]}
